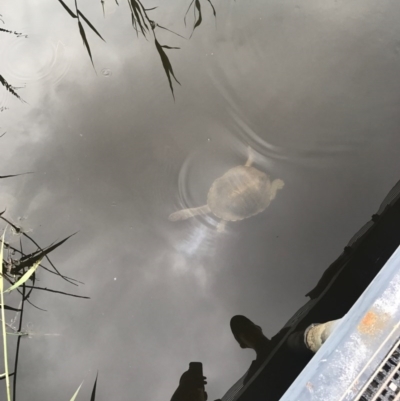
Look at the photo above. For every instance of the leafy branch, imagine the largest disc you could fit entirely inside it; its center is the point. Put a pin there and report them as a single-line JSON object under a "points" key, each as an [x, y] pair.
{"points": [[143, 24]]}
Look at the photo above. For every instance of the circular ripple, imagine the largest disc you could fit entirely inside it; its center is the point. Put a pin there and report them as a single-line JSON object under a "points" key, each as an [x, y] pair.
{"points": [[106, 72], [34, 60]]}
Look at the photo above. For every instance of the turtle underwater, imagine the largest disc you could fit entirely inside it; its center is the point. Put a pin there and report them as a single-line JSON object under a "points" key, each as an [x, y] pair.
{"points": [[242, 192]]}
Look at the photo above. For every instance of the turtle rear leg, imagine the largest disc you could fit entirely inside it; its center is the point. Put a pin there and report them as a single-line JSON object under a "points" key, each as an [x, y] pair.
{"points": [[250, 156], [221, 226], [188, 213]]}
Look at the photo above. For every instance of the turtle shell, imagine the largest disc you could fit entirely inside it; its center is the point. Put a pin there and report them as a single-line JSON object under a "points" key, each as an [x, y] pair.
{"points": [[241, 192]]}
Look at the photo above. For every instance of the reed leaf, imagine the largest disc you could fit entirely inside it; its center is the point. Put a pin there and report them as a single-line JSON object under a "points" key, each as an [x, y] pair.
{"points": [[85, 42], [33, 258], [76, 393], [14, 175], [91, 26], [213, 8], [92, 398], [167, 66], [169, 30], [138, 17], [10, 88], [3, 375], [190, 6], [6, 307], [199, 18], [25, 277], [69, 11], [3, 320]]}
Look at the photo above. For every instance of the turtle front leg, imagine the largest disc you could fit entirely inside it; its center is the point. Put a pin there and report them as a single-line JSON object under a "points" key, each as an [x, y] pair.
{"points": [[275, 187], [250, 157], [188, 213], [221, 226]]}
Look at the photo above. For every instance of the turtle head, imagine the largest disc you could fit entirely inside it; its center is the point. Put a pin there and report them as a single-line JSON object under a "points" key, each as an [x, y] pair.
{"points": [[275, 187]]}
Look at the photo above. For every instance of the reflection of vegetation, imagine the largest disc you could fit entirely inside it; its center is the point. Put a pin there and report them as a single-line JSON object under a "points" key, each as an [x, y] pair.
{"points": [[3, 82], [17, 268], [92, 397], [142, 23]]}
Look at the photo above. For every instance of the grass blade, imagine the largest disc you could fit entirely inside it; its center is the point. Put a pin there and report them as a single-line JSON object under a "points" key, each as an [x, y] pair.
{"points": [[91, 26], [76, 393], [92, 398], [3, 320], [25, 277]]}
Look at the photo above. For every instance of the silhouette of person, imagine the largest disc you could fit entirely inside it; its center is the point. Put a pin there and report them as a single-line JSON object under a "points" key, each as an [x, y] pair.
{"points": [[249, 335], [189, 385]]}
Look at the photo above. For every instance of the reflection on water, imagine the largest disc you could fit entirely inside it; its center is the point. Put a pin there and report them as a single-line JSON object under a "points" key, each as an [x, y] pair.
{"points": [[314, 95], [241, 192], [32, 61]]}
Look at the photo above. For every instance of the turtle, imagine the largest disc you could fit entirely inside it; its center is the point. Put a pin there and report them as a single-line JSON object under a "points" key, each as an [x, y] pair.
{"points": [[242, 192]]}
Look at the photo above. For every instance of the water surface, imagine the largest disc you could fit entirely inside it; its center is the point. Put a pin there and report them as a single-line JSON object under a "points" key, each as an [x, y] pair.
{"points": [[313, 88]]}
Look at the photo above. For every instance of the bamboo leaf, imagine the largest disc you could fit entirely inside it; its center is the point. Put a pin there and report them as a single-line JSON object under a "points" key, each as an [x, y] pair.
{"points": [[167, 66], [91, 26], [10, 88], [85, 42], [76, 393], [190, 5], [25, 277], [212, 6], [69, 11], [199, 18], [169, 47], [137, 16]]}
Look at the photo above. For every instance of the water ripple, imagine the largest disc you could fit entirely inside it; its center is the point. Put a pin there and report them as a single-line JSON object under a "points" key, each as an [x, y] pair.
{"points": [[34, 60]]}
